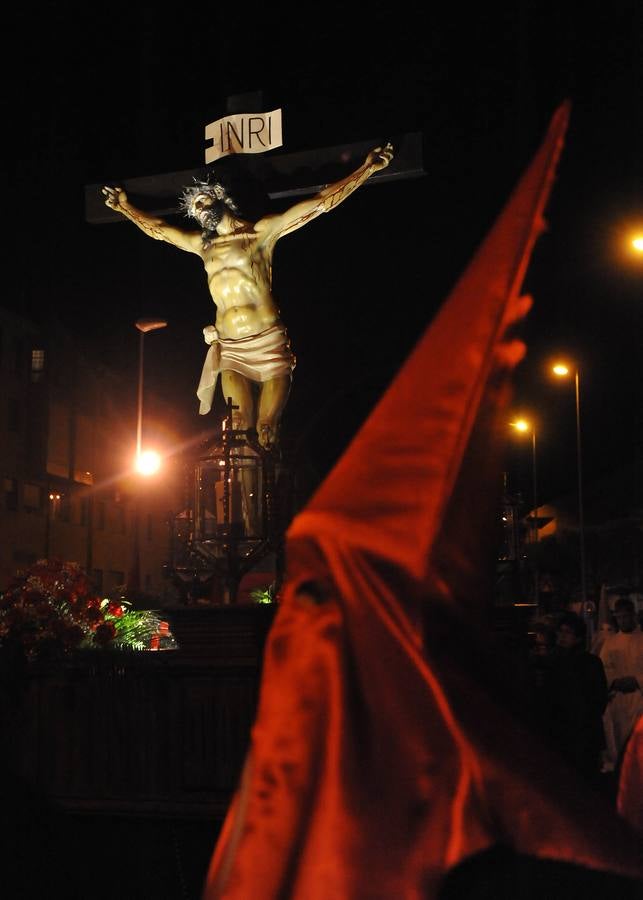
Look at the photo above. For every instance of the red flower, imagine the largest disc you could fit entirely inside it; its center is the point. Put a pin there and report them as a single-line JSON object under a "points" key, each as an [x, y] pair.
{"points": [[115, 609]]}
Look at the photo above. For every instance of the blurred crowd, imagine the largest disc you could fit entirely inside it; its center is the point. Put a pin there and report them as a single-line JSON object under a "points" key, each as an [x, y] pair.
{"points": [[586, 697]]}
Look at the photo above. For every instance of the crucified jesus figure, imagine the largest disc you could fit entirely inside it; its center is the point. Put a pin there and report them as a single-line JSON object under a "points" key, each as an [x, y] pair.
{"points": [[249, 346]]}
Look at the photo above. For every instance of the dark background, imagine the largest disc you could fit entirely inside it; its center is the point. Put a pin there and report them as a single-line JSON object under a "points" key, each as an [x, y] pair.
{"points": [[102, 94]]}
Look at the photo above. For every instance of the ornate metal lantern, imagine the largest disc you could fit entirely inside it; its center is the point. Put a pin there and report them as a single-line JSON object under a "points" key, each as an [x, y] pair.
{"points": [[235, 517]]}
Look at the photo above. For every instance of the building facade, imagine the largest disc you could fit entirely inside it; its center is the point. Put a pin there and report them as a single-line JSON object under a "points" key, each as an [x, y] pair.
{"points": [[67, 439]]}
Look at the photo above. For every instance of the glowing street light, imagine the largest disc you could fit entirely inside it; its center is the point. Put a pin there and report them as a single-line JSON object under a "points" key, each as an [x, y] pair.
{"points": [[637, 243], [145, 464], [148, 462], [562, 370], [524, 426]]}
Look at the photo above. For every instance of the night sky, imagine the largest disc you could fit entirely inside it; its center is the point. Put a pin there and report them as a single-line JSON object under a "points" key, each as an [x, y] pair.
{"points": [[92, 98]]}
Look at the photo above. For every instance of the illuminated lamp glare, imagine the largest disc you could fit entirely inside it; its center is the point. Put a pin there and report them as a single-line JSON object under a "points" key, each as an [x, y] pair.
{"points": [[148, 462]]}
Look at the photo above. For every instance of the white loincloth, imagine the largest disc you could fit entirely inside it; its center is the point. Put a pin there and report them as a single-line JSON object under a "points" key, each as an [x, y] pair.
{"points": [[259, 357]]}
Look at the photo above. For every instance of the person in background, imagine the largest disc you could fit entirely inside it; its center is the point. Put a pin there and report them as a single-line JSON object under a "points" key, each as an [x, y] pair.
{"points": [[604, 629], [577, 693], [539, 671], [622, 658]]}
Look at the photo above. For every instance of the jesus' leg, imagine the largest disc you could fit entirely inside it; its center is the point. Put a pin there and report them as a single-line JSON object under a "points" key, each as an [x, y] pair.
{"points": [[272, 400]]}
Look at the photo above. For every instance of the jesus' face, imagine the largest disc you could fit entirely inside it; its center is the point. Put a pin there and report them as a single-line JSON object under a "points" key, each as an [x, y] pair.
{"points": [[207, 210]]}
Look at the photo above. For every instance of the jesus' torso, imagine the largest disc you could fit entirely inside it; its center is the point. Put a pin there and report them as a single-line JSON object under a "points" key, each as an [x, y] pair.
{"points": [[238, 268]]}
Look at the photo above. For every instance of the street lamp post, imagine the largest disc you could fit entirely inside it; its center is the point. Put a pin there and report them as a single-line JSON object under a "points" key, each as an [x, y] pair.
{"points": [[143, 325], [523, 425], [53, 507], [143, 463], [562, 370], [533, 465]]}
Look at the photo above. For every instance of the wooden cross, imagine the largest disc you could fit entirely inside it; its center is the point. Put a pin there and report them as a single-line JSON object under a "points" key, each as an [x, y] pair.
{"points": [[281, 174]]}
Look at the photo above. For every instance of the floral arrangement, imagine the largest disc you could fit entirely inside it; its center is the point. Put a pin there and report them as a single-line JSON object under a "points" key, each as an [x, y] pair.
{"points": [[53, 609], [264, 595]]}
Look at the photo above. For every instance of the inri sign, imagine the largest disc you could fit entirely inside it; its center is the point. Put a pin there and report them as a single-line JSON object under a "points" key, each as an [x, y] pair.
{"points": [[243, 133]]}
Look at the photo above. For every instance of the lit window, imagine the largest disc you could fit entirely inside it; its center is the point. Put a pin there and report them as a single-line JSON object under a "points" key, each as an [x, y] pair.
{"points": [[54, 504], [37, 365]]}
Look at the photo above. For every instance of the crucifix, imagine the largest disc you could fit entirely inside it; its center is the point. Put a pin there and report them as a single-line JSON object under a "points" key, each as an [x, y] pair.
{"points": [[249, 349]]}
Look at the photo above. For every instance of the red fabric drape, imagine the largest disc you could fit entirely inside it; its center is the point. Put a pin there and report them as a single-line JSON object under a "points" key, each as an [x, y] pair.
{"points": [[629, 801], [386, 747]]}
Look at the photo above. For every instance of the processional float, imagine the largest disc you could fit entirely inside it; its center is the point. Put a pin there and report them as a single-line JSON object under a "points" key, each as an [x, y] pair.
{"points": [[241, 497]]}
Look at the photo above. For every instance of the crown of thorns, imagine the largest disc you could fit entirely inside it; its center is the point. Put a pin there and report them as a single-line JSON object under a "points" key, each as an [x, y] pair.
{"points": [[212, 189]]}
